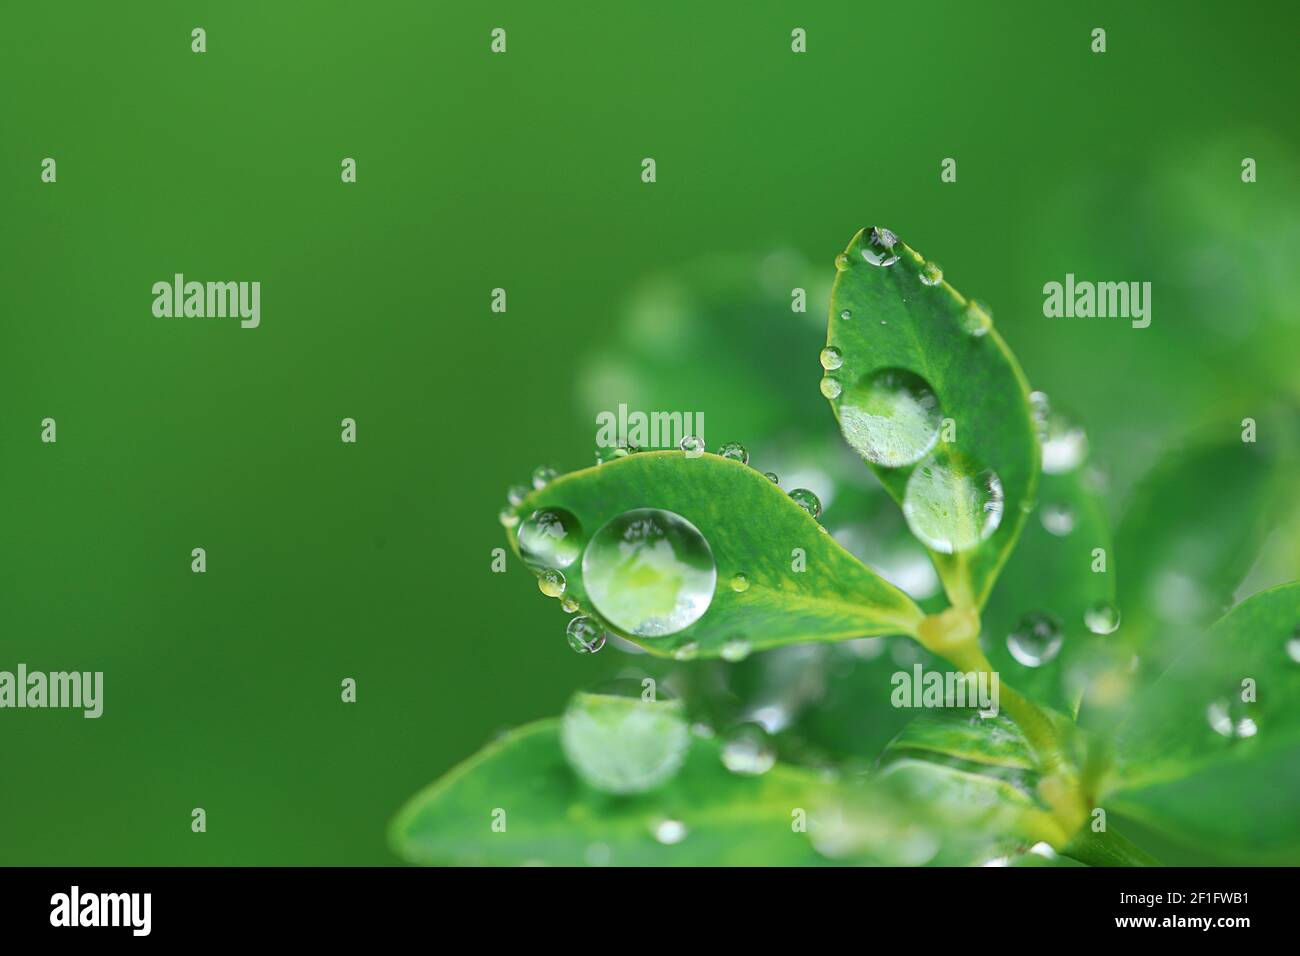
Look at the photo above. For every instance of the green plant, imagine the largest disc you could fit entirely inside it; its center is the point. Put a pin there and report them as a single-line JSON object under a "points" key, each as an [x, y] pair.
{"points": [[1175, 721]]}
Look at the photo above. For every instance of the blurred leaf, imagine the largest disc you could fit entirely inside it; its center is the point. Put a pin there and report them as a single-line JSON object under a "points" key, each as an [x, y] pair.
{"points": [[553, 818], [965, 735], [1052, 574], [897, 321], [751, 527], [1197, 762]]}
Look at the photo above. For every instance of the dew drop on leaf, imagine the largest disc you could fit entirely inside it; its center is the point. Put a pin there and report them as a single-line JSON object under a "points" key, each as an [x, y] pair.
{"points": [[551, 582], [1065, 444], [831, 358], [739, 583], [931, 274], [568, 604], [842, 262], [830, 387], [687, 652], [584, 635], [515, 494], [735, 650], [606, 455], [1293, 646], [878, 247], [620, 743], [691, 445], [748, 750], [772, 477], [808, 501], [1101, 618], [508, 517], [550, 538], [734, 451], [977, 319], [891, 417], [845, 314], [1228, 717], [951, 505], [1036, 640], [543, 475], [649, 572], [1057, 518]]}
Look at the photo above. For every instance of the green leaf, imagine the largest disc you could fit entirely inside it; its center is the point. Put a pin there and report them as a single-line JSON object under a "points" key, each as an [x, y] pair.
{"points": [[551, 817], [965, 736], [1054, 575], [752, 528], [897, 321], [1198, 763], [1189, 534]]}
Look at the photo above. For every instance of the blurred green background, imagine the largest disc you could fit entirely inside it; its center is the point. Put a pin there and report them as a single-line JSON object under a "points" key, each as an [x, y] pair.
{"points": [[522, 171]]}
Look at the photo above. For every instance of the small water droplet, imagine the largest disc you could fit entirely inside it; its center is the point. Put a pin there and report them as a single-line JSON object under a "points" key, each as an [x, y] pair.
{"points": [[1041, 408], [551, 582], [830, 387], [735, 650], [550, 538], [1229, 717], [1293, 646], [739, 583], [568, 604], [952, 505], [543, 475], [649, 572], [1036, 640], [845, 314], [691, 445], [842, 262], [831, 358], [806, 500], [977, 319], [878, 247], [515, 494], [772, 477], [1101, 618], [605, 455], [931, 274], [1057, 518], [687, 652], [508, 517], [891, 417], [748, 750], [734, 451], [584, 635], [1064, 444], [619, 742], [670, 832]]}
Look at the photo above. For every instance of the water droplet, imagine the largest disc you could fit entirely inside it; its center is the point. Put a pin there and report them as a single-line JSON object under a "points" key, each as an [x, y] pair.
{"points": [[842, 262], [508, 517], [748, 750], [687, 652], [831, 388], [845, 314], [772, 477], [891, 417], [670, 832], [831, 358], [1229, 718], [605, 455], [808, 501], [977, 319], [878, 247], [1057, 518], [952, 505], [551, 582], [736, 649], [618, 742], [931, 274], [550, 538], [568, 604], [543, 475], [691, 445], [735, 451], [515, 494], [649, 572], [1101, 618], [1293, 646], [1065, 444], [1036, 640], [584, 635], [1041, 408], [739, 583]]}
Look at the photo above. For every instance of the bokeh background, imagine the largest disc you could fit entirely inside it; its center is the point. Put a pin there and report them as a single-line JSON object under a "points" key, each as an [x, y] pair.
{"points": [[522, 171]]}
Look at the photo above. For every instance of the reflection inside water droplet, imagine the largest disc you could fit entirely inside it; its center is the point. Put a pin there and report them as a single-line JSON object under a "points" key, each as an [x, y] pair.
{"points": [[1036, 640], [891, 417], [550, 538], [951, 505]]}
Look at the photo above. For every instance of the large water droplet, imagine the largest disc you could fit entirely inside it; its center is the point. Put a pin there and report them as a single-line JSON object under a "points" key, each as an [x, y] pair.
{"points": [[1065, 444], [831, 358], [806, 500], [550, 538], [878, 247], [952, 505], [1101, 618], [649, 572], [620, 743], [1057, 518], [551, 582], [1036, 640], [891, 417], [748, 750], [584, 635], [1229, 717], [734, 451]]}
